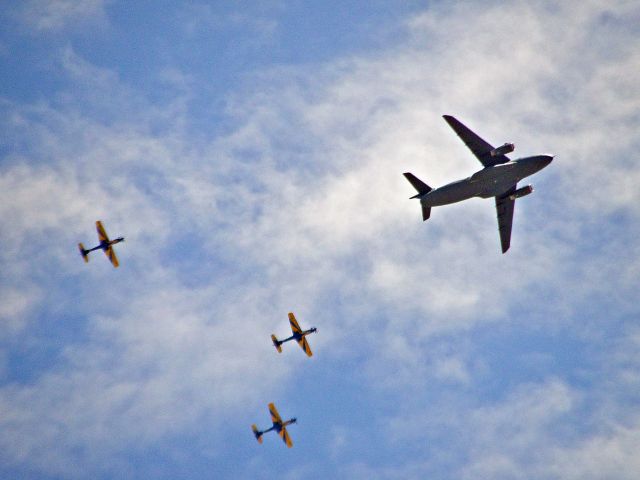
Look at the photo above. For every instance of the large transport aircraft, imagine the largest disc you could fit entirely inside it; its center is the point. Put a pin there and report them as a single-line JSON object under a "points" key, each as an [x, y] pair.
{"points": [[499, 178], [278, 425], [298, 336], [105, 244]]}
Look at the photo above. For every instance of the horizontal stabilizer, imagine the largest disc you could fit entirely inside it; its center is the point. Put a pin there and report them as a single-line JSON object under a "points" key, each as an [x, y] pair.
{"points": [[426, 213], [276, 343], [84, 253], [257, 433], [418, 184]]}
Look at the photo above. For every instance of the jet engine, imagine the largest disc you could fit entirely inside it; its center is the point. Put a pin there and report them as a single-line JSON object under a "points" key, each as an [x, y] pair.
{"points": [[503, 149], [521, 192]]}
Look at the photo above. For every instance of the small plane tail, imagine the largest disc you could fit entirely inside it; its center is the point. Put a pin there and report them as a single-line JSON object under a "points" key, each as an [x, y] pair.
{"points": [[418, 184], [276, 343], [257, 433], [422, 189], [84, 252]]}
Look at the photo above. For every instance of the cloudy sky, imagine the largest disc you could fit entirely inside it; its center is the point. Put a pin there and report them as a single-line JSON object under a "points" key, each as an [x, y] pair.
{"points": [[251, 153]]}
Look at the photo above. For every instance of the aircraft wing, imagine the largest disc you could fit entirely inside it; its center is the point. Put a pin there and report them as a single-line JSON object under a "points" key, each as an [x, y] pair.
{"points": [[102, 234], [505, 207], [275, 416], [295, 328], [110, 252], [285, 437], [305, 346], [480, 148]]}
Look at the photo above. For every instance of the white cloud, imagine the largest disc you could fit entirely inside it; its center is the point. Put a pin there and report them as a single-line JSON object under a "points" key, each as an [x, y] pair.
{"points": [[54, 15], [14, 307], [201, 19], [610, 455]]}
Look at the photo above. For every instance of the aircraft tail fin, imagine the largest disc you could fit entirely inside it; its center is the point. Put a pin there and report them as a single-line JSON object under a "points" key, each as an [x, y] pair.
{"points": [[418, 184], [257, 433], [276, 343], [84, 253]]}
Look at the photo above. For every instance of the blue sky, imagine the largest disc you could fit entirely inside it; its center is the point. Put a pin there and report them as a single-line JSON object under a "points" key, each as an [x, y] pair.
{"points": [[251, 153]]}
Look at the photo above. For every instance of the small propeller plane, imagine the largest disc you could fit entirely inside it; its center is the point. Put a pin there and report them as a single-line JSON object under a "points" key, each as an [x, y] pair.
{"points": [[278, 425], [298, 336], [105, 244]]}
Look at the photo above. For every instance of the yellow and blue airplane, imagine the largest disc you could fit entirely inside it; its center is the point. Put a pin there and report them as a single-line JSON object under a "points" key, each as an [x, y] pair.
{"points": [[278, 425], [298, 336], [105, 244]]}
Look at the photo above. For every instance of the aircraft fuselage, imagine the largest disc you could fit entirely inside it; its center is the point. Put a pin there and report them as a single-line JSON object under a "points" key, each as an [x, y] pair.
{"points": [[104, 245], [297, 336], [486, 183], [278, 426]]}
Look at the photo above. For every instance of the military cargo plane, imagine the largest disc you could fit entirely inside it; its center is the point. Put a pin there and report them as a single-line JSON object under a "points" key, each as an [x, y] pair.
{"points": [[278, 425], [105, 244], [298, 336], [499, 178]]}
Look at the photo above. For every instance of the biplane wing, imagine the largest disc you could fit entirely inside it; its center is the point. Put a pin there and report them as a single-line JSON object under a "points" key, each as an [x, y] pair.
{"points": [[295, 328], [275, 416], [305, 346], [102, 234], [111, 254], [285, 437]]}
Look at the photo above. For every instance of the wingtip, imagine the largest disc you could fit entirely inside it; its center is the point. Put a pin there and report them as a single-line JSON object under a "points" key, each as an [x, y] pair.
{"points": [[450, 119]]}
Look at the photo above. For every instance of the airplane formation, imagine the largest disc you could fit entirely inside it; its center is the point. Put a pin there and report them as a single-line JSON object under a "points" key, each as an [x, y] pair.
{"points": [[497, 179]]}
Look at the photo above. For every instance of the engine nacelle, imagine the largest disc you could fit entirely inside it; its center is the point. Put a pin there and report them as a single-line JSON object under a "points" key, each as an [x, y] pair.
{"points": [[521, 192], [503, 149]]}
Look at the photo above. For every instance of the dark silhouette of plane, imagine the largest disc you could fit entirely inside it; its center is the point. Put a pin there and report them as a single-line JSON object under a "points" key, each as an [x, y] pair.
{"points": [[278, 425], [105, 244], [499, 178], [298, 336]]}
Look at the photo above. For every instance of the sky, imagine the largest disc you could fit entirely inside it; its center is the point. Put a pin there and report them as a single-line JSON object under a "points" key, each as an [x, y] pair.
{"points": [[251, 153]]}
